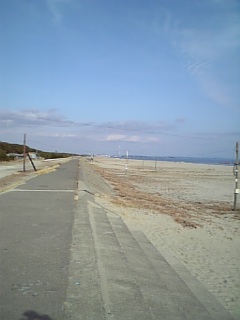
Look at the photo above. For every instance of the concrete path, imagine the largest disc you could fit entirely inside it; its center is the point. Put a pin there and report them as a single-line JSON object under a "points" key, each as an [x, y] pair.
{"points": [[35, 236], [72, 259]]}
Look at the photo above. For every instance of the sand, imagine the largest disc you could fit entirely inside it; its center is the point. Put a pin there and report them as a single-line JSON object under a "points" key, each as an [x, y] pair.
{"points": [[184, 209]]}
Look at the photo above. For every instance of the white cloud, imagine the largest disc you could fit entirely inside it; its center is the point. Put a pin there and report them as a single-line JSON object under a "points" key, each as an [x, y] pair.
{"points": [[6, 123], [64, 135], [122, 137], [134, 139], [115, 137], [130, 138], [152, 139]]}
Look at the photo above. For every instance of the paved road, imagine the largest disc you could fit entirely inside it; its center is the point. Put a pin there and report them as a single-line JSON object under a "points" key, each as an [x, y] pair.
{"points": [[35, 236]]}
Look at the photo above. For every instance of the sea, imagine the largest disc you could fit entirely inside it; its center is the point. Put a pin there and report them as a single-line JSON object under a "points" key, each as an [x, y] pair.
{"points": [[199, 160]]}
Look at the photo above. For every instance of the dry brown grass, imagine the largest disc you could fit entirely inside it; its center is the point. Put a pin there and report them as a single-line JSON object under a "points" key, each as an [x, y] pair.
{"points": [[127, 194], [20, 177], [12, 180]]}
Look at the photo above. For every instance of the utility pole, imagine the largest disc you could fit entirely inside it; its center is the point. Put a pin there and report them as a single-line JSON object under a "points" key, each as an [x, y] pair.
{"points": [[24, 152], [236, 190]]}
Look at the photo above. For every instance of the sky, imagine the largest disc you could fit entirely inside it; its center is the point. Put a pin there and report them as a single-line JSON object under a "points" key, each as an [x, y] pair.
{"points": [[147, 77]]}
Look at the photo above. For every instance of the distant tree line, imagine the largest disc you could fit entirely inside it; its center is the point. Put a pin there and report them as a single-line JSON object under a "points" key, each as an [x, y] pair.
{"points": [[6, 148], [54, 155]]}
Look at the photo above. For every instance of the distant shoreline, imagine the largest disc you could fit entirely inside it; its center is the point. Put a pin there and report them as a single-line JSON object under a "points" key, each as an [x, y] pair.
{"points": [[197, 160]]}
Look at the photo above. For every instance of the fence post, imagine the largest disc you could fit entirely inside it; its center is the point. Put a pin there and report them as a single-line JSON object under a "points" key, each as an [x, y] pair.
{"points": [[236, 190], [24, 152]]}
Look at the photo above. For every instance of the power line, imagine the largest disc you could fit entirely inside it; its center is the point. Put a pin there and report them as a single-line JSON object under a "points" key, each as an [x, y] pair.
{"points": [[89, 124]]}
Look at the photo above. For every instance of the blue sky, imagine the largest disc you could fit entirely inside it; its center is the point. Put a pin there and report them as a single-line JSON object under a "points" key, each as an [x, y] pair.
{"points": [[156, 77]]}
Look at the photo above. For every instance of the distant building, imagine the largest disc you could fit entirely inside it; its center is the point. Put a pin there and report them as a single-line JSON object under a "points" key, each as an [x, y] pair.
{"points": [[33, 155], [15, 155]]}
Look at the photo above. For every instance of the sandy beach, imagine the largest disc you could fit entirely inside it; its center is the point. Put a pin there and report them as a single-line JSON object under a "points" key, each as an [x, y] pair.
{"points": [[186, 211]]}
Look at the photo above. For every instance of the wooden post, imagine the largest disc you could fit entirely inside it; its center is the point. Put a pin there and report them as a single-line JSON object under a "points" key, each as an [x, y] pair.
{"points": [[236, 190], [24, 152], [35, 169], [126, 167]]}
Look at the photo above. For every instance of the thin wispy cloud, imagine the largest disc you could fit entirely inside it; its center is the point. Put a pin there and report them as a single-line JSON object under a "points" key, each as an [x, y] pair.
{"points": [[180, 120], [197, 68], [49, 118], [63, 135], [208, 46], [140, 126], [121, 137], [56, 9], [115, 137], [31, 117], [129, 138]]}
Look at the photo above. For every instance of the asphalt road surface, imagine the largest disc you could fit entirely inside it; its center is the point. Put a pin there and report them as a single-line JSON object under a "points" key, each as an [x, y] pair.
{"points": [[35, 237]]}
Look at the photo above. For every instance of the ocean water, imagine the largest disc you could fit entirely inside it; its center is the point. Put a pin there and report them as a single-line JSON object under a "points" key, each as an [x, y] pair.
{"points": [[217, 161]]}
